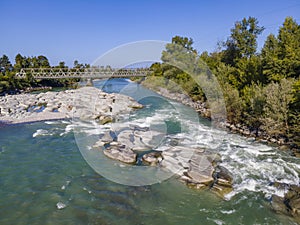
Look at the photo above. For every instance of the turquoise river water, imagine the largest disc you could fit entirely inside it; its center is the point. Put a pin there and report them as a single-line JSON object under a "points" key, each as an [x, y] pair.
{"points": [[44, 178]]}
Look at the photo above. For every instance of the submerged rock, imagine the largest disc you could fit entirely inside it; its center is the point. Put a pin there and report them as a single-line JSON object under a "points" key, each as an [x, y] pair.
{"points": [[221, 190]]}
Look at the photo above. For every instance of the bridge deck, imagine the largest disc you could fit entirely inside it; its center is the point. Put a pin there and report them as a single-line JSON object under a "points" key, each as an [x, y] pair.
{"points": [[96, 73]]}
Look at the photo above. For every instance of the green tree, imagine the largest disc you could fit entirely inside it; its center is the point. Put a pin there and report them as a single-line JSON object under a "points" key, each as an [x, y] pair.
{"points": [[62, 65], [279, 96], [270, 61], [234, 104], [43, 61], [281, 54], [249, 71], [294, 119], [242, 42], [185, 42], [255, 101], [5, 64]]}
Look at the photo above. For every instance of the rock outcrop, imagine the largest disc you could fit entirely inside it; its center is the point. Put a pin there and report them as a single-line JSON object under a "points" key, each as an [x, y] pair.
{"points": [[194, 166], [289, 204], [87, 103], [121, 153]]}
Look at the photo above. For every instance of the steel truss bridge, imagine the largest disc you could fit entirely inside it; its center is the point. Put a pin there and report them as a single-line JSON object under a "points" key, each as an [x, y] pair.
{"points": [[90, 73]]}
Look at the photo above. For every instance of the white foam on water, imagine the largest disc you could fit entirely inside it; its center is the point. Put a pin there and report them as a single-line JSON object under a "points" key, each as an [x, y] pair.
{"points": [[41, 132], [60, 205], [255, 167], [228, 211], [50, 122], [216, 221]]}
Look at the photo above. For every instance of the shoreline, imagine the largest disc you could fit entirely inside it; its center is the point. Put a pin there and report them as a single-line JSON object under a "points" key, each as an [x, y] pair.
{"points": [[28, 121], [239, 129]]}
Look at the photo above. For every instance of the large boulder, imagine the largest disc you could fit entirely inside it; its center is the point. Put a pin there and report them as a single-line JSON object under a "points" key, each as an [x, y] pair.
{"points": [[289, 204], [201, 170], [126, 137], [121, 153]]}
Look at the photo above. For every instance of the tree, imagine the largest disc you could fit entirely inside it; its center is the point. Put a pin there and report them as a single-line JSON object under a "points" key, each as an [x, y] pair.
{"points": [[289, 47], [180, 65], [185, 42], [249, 71], [294, 119], [5, 64], [62, 64], [279, 96], [281, 54], [234, 104], [242, 42], [255, 101], [270, 61], [19, 59], [43, 61]]}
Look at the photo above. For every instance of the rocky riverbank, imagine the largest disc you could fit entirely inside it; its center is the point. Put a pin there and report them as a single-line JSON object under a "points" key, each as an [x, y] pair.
{"points": [[84, 103], [204, 111]]}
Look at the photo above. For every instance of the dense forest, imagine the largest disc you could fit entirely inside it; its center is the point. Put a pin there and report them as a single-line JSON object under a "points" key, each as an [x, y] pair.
{"points": [[261, 88]]}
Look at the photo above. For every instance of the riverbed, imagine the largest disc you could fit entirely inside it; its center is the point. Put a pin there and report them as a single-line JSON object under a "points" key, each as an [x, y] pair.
{"points": [[46, 179]]}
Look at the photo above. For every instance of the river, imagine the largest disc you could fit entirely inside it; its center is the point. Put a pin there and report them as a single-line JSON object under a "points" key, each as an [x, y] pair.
{"points": [[45, 178]]}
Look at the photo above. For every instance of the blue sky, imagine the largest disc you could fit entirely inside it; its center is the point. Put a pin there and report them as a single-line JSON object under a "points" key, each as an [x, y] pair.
{"points": [[65, 30]]}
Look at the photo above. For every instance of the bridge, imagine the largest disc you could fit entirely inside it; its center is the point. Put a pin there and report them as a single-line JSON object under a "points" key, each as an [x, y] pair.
{"points": [[90, 73]]}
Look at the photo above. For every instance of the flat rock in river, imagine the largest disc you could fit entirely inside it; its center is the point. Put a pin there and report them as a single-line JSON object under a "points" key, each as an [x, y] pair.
{"points": [[121, 153]]}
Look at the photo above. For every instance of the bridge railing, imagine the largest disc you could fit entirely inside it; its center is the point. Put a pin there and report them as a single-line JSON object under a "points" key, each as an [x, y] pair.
{"points": [[93, 72]]}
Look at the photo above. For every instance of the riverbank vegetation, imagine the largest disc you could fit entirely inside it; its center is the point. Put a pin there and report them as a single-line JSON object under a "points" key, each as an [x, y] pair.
{"points": [[261, 88], [9, 83]]}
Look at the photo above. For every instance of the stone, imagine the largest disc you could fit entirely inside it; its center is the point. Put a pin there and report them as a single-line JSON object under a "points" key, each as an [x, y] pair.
{"points": [[99, 144], [221, 190], [196, 185], [152, 158], [149, 138], [277, 204], [290, 203], [136, 105], [214, 158], [114, 143], [105, 119], [172, 165], [223, 177], [127, 138], [200, 177], [295, 206], [107, 138], [201, 170], [121, 153]]}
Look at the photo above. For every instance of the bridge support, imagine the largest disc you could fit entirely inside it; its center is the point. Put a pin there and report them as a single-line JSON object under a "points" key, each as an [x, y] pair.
{"points": [[89, 82]]}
